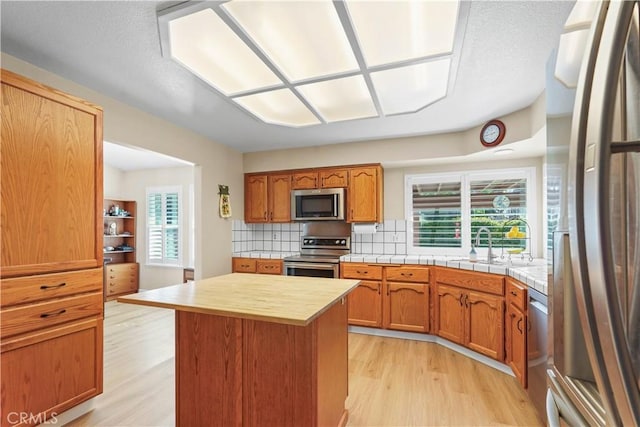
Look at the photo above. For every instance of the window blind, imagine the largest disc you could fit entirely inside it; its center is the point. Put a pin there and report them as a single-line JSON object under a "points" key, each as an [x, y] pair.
{"points": [[436, 214], [163, 227]]}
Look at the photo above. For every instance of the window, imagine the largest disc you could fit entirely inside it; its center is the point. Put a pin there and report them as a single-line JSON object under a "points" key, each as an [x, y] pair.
{"points": [[447, 210], [164, 215]]}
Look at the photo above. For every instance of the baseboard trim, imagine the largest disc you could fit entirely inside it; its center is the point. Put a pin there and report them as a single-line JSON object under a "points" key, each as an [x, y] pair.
{"points": [[433, 339]]}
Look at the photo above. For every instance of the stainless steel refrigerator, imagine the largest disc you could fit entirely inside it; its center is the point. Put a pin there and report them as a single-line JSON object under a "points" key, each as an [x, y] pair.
{"points": [[594, 371]]}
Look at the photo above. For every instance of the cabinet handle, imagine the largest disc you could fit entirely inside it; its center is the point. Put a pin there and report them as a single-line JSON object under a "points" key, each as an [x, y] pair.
{"points": [[406, 274], [56, 313], [388, 290], [466, 301], [45, 287], [461, 297], [271, 219], [515, 294], [265, 215], [518, 325], [379, 288], [362, 272]]}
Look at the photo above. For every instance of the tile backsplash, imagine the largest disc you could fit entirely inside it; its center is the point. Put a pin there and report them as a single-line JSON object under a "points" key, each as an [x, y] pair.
{"points": [[390, 239]]}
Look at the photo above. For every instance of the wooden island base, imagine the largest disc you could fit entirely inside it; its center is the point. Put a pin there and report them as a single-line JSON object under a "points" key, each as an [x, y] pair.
{"points": [[232, 372]]}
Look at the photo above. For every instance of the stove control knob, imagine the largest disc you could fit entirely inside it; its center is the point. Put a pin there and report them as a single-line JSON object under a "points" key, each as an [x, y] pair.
{"points": [[343, 242], [337, 242], [305, 241]]}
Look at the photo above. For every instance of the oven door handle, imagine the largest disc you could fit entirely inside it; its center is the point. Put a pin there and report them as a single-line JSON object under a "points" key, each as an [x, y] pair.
{"points": [[313, 265]]}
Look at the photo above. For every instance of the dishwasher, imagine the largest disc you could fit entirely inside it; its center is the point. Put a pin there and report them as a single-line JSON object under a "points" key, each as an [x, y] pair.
{"points": [[537, 350]]}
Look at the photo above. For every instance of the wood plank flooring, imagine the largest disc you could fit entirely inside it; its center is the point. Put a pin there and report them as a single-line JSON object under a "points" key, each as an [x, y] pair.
{"points": [[392, 382]]}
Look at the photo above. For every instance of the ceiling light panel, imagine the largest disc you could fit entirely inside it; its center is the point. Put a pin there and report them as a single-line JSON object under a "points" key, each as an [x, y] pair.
{"points": [[392, 31], [303, 39], [280, 107], [205, 45], [340, 99], [407, 89]]}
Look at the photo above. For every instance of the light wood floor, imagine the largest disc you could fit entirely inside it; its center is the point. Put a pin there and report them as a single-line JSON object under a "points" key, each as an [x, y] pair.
{"points": [[392, 382]]}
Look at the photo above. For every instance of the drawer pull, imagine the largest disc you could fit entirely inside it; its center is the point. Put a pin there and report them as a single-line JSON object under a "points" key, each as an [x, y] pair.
{"points": [[45, 287], [406, 274], [362, 272], [55, 313], [514, 293]]}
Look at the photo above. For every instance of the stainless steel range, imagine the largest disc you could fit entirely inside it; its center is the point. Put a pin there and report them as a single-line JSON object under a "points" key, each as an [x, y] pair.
{"points": [[321, 246]]}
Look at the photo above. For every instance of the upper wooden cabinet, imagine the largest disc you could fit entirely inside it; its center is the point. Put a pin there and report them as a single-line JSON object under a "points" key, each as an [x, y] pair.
{"points": [[334, 178], [51, 180], [267, 195], [365, 195], [306, 180], [267, 198]]}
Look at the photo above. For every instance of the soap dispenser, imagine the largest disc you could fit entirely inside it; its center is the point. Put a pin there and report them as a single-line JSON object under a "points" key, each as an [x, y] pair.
{"points": [[473, 255]]}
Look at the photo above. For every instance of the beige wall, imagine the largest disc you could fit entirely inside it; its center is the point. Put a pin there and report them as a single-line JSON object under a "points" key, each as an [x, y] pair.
{"points": [[215, 163], [113, 187]]}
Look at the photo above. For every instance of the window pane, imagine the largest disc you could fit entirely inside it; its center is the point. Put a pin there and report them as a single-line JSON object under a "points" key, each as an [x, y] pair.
{"points": [[154, 213], [436, 214], [172, 209], [499, 220]]}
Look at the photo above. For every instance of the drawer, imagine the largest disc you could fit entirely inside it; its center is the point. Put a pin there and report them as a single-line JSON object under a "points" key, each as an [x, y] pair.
{"points": [[244, 265], [408, 274], [128, 269], [21, 290], [517, 294], [36, 316], [269, 266], [113, 287], [473, 280], [352, 270]]}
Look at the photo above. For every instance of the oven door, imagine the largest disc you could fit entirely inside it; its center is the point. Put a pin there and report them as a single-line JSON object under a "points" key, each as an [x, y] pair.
{"points": [[312, 269]]}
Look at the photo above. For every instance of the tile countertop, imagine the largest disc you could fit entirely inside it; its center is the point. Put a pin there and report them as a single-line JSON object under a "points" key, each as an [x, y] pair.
{"points": [[534, 274]]}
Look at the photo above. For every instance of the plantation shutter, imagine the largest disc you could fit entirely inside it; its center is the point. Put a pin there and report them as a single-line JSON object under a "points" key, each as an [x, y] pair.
{"points": [[163, 226], [436, 214]]}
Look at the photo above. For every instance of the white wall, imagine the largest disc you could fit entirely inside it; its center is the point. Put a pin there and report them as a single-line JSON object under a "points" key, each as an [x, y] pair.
{"points": [[113, 187], [215, 163]]}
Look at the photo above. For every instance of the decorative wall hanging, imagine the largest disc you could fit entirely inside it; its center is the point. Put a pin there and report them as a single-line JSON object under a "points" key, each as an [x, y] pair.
{"points": [[225, 203]]}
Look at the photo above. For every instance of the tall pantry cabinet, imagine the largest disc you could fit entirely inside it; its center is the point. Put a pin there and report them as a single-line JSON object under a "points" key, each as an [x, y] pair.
{"points": [[51, 308]]}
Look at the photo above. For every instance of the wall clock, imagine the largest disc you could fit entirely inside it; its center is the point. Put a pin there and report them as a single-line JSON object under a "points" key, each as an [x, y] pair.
{"points": [[492, 133]]}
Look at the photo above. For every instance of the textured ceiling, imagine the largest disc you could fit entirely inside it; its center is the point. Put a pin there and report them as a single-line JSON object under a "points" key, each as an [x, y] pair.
{"points": [[114, 48]]}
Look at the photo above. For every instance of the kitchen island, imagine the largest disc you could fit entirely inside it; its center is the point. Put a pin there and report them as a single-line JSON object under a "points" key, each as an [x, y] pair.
{"points": [[258, 350]]}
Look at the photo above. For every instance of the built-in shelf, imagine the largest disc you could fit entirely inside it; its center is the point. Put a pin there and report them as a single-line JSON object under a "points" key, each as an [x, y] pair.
{"points": [[118, 235], [121, 269], [118, 252]]}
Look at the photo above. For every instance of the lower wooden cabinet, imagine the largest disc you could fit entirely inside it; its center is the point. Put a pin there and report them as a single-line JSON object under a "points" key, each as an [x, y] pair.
{"points": [[256, 265], [467, 316], [390, 297], [516, 321], [121, 279], [48, 372], [365, 304]]}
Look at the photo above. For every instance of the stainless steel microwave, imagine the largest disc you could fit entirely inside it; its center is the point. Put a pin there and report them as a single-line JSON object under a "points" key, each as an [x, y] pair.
{"points": [[315, 205]]}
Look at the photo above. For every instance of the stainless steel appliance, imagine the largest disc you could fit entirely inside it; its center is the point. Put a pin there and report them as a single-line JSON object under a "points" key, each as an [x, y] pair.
{"points": [[326, 204], [321, 246], [537, 349], [601, 304]]}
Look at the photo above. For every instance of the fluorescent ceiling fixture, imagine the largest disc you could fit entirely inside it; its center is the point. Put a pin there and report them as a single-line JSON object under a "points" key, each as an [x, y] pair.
{"points": [[279, 107], [405, 89], [205, 45], [300, 63], [303, 39], [393, 31], [340, 99]]}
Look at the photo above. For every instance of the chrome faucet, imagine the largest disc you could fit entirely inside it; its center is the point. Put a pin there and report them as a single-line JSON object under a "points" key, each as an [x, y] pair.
{"points": [[489, 253]]}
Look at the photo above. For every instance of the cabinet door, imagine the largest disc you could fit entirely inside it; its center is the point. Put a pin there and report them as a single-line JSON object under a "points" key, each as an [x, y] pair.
{"points": [[255, 198], [363, 197], [516, 354], [304, 180], [334, 178], [449, 313], [365, 304], [279, 198], [244, 265], [51, 175], [406, 306], [485, 324], [51, 371]]}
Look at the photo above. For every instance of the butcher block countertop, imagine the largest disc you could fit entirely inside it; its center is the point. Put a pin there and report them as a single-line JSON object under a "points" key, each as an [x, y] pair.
{"points": [[291, 300]]}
